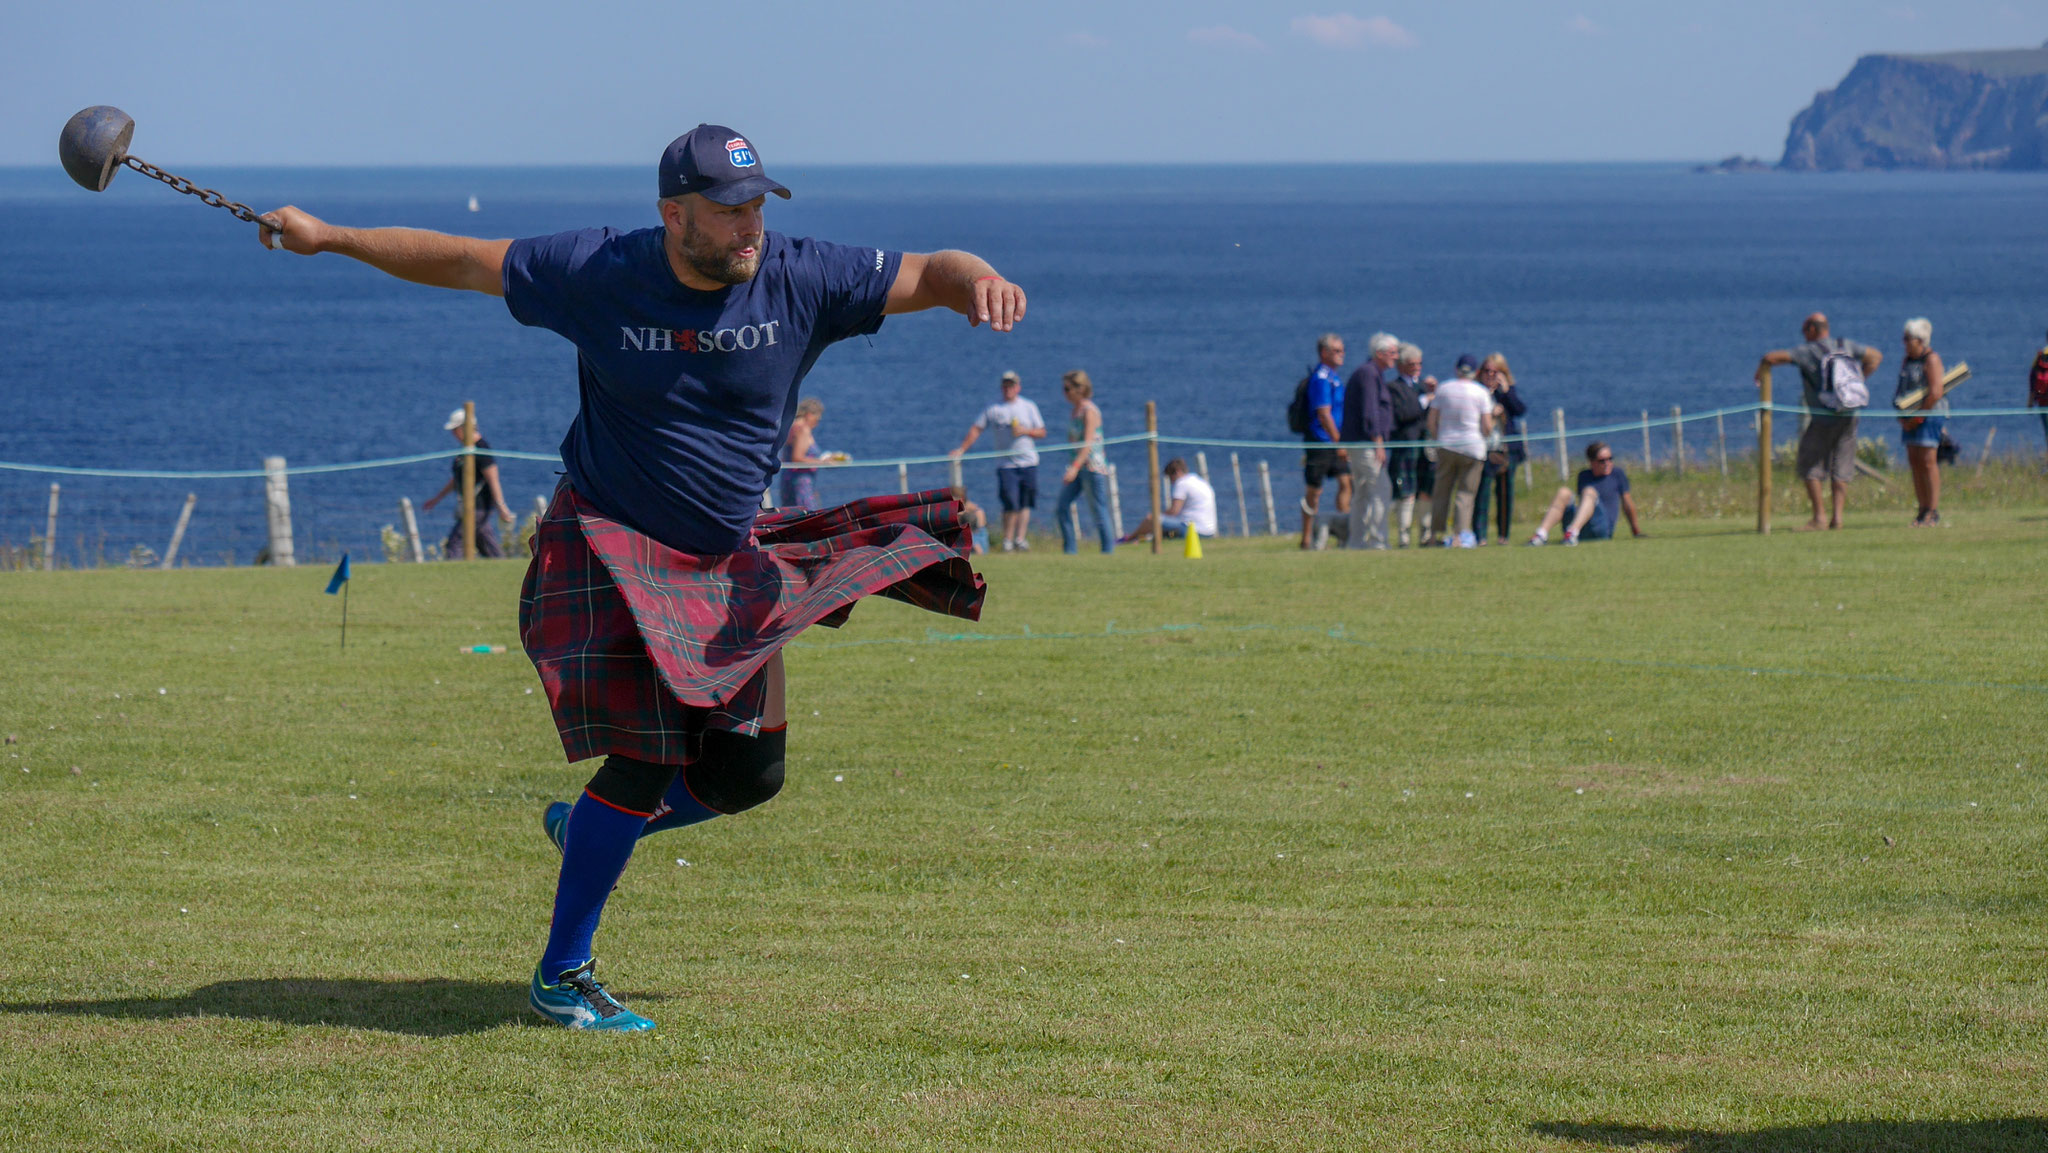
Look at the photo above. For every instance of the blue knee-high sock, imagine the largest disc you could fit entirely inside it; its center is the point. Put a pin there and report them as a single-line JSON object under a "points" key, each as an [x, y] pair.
{"points": [[678, 808], [598, 843]]}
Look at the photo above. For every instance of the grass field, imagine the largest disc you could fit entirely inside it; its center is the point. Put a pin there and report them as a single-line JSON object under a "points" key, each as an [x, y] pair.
{"points": [[1701, 842]]}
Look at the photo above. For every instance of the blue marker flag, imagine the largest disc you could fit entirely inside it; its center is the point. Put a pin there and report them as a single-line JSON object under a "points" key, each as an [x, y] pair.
{"points": [[340, 577]]}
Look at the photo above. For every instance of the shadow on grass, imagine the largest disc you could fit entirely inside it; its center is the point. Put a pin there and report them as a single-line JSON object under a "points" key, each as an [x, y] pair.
{"points": [[1996, 1136], [433, 1008]]}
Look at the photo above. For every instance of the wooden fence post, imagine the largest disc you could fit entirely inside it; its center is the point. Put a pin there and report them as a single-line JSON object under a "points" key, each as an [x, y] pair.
{"points": [[178, 533], [1986, 455], [469, 439], [1677, 440], [1564, 463], [412, 529], [1763, 450], [1152, 456], [540, 513], [1646, 441], [1266, 490], [1202, 465], [953, 476], [1721, 438], [902, 478], [1116, 506], [1244, 512], [277, 501], [50, 534]]}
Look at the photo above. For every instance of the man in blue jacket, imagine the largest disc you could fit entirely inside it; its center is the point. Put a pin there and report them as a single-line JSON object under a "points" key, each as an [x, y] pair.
{"points": [[1369, 421]]}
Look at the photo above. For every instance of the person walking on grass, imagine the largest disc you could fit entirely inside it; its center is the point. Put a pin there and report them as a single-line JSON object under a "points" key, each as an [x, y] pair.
{"points": [[1016, 477], [1368, 422], [1089, 470], [1405, 390], [1503, 455], [2037, 394], [1460, 419], [1323, 459], [798, 487], [490, 497], [659, 595], [1922, 371], [1599, 501], [1832, 373]]}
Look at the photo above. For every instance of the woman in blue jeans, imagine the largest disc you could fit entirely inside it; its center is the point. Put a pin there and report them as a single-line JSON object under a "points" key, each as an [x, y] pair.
{"points": [[1089, 470], [1498, 479], [1922, 432]]}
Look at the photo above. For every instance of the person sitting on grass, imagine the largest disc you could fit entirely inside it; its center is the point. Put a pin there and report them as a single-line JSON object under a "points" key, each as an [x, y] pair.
{"points": [[1601, 501], [1192, 505], [977, 520]]}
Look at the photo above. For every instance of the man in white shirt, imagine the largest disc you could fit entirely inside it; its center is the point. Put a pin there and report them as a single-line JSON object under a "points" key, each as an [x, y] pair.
{"points": [[1191, 504], [1460, 420], [1017, 477]]}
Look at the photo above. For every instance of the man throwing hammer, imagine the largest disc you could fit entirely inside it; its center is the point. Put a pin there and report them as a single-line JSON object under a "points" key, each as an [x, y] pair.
{"points": [[659, 597]]}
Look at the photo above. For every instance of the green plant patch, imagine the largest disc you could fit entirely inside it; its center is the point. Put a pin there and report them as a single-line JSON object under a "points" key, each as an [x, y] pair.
{"points": [[1704, 841]]}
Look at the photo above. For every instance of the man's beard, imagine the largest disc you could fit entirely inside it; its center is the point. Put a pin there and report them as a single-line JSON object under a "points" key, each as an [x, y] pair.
{"points": [[725, 267]]}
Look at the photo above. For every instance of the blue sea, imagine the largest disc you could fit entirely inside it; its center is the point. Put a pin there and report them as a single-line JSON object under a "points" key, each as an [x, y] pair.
{"points": [[139, 329]]}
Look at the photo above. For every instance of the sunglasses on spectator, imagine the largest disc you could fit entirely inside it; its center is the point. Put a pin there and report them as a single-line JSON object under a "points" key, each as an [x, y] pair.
{"points": [[1603, 460]]}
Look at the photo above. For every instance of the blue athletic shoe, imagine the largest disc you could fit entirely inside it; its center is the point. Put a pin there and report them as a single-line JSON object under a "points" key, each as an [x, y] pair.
{"points": [[555, 822], [579, 1002]]}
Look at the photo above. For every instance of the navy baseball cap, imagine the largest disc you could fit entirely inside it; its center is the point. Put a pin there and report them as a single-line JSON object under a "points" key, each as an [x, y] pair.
{"points": [[716, 163], [1467, 360]]}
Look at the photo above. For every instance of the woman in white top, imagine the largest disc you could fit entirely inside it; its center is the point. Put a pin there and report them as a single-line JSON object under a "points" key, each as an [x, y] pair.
{"points": [[1460, 420]]}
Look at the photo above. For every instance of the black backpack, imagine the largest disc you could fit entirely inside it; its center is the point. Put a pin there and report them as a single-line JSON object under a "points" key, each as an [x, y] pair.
{"points": [[1408, 408], [1297, 409]]}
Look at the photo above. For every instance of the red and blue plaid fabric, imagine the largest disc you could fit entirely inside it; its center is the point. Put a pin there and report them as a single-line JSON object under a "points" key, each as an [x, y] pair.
{"points": [[641, 647]]}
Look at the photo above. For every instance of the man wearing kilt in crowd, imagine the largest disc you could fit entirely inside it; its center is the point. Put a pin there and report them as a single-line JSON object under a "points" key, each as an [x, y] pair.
{"points": [[659, 597]]}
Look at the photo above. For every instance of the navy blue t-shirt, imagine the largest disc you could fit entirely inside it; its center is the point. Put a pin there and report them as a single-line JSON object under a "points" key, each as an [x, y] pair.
{"points": [[1608, 488], [686, 396]]}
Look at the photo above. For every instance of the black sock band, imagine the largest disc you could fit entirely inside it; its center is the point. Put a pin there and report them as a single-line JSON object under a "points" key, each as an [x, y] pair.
{"points": [[733, 773], [634, 786]]}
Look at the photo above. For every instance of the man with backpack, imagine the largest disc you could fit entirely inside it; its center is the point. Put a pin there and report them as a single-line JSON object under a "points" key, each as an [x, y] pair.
{"points": [[1318, 401], [2037, 389], [1833, 372]]}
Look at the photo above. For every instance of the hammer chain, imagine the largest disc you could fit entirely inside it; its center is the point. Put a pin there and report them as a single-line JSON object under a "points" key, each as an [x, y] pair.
{"points": [[206, 195]]}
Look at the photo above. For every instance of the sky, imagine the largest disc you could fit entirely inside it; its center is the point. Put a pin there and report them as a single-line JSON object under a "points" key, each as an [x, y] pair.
{"points": [[519, 82]]}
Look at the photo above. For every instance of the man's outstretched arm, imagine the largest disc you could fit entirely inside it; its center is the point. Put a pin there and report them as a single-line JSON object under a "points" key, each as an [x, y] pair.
{"points": [[957, 280], [414, 254]]}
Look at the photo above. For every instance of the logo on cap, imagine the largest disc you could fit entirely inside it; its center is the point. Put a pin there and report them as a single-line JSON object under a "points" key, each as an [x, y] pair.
{"points": [[739, 152]]}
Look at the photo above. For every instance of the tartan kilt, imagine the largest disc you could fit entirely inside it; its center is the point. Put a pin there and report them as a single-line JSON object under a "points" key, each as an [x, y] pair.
{"points": [[642, 647]]}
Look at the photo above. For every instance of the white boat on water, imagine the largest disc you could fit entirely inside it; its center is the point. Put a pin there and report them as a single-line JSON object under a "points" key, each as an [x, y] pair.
{"points": [[474, 206]]}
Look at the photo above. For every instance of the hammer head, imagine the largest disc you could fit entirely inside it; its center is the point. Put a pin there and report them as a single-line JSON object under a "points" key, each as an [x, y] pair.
{"points": [[93, 144]]}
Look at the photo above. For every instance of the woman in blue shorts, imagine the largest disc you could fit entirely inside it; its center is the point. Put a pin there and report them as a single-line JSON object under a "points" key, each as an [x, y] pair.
{"points": [[1922, 433]]}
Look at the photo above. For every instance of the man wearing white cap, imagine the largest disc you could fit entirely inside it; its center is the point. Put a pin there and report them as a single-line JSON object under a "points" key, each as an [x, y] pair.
{"points": [[488, 493], [1017, 476]]}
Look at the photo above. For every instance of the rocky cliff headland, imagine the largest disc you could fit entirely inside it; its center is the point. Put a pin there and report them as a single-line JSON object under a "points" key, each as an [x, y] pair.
{"points": [[1953, 110]]}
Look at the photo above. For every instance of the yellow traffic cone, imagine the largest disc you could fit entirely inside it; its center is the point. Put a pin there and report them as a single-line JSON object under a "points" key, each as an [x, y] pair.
{"points": [[1191, 547]]}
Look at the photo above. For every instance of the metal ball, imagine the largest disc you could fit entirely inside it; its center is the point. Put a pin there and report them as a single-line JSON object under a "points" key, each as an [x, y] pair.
{"points": [[93, 144]]}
